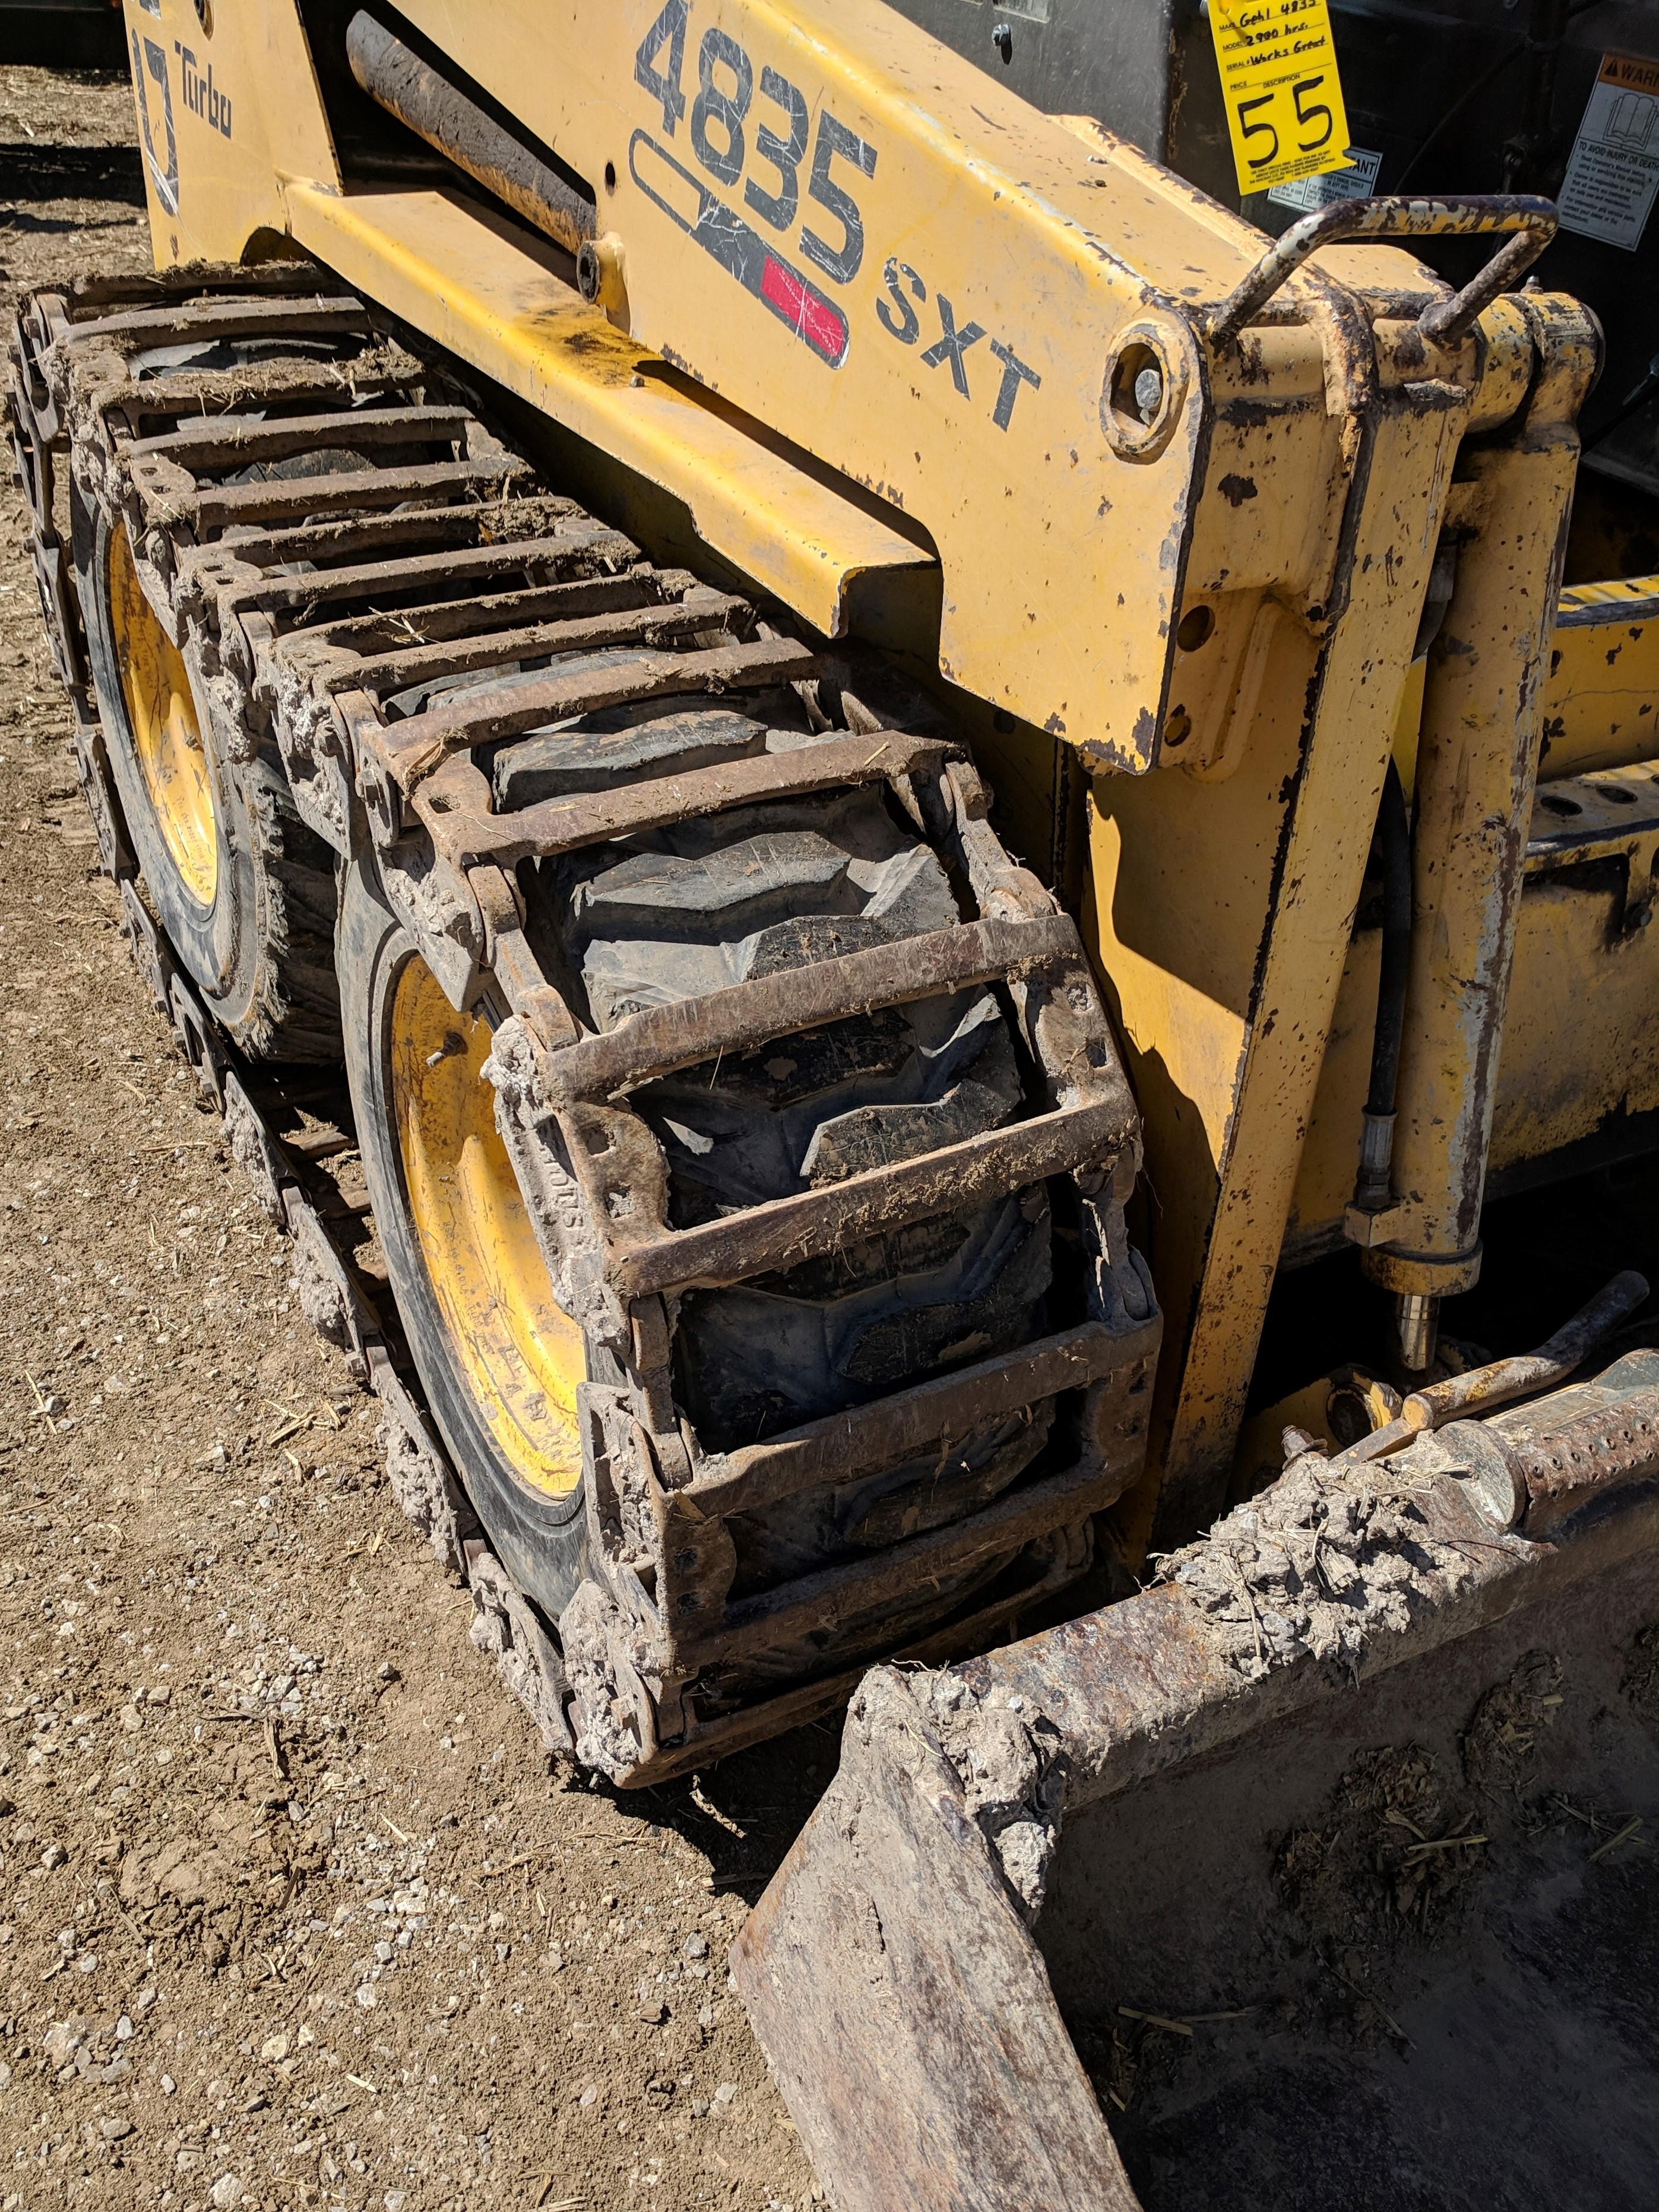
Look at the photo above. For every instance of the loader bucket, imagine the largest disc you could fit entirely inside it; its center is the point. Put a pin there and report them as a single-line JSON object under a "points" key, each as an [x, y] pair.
{"points": [[1317, 1875]]}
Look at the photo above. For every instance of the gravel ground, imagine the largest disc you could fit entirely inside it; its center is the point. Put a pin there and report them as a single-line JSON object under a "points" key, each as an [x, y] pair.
{"points": [[292, 1911]]}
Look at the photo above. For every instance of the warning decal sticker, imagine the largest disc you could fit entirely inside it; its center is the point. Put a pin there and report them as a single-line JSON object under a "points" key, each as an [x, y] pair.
{"points": [[1357, 182], [1611, 179]]}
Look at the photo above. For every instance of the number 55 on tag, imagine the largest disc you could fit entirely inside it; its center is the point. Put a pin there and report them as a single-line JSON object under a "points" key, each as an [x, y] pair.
{"points": [[1283, 95]]}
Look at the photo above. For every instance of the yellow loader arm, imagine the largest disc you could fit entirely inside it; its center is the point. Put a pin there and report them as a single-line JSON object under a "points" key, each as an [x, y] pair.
{"points": [[998, 327]]}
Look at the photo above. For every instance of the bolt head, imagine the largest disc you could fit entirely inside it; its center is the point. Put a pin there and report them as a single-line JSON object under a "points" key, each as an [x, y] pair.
{"points": [[1149, 393]]}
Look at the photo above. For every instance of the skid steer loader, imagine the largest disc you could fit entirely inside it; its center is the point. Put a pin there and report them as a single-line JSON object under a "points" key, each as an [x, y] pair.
{"points": [[549, 574]]}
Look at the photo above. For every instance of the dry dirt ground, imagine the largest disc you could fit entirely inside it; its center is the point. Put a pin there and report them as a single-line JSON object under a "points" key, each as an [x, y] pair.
{"points": [[292, 1911]]}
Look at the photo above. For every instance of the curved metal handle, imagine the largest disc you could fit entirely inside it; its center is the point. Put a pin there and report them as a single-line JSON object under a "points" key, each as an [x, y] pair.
{"points": [[1393, 215]]}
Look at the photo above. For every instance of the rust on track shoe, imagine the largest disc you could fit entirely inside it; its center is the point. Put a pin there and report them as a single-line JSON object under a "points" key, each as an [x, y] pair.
{"points": [[741, 1125], [193, 409]]}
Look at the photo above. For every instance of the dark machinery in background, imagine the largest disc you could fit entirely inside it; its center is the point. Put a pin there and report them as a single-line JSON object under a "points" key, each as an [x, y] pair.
{"points": [[1460, 96], [63, 33]]}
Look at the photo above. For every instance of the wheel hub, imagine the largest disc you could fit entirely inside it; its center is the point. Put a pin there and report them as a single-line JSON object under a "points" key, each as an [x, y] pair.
{"points": [[167, 734], [521, 1354]]}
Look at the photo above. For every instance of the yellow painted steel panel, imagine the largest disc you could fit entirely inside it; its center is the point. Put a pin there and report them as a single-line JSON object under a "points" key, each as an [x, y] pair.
{"points": [[981, 261], [477, 284], [1601, 701]]}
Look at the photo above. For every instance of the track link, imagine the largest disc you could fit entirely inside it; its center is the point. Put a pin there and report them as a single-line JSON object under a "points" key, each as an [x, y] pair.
{"points": [[806, 1084]]}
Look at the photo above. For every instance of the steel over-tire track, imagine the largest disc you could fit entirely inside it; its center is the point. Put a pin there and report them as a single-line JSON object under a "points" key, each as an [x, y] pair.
{"points": [[346, 512]]}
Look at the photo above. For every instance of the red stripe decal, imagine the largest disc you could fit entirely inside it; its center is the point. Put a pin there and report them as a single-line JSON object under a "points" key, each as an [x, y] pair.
{"points": [[821, 325]]}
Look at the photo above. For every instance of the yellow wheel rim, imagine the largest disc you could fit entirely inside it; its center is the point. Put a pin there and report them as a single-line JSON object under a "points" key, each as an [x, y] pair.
{"points": [[161, 714], [520, 1353]]}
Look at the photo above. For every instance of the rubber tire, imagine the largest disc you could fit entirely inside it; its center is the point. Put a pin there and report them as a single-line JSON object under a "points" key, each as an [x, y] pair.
{"points": [[542, 1542], [261, 955], [765, 1354]]}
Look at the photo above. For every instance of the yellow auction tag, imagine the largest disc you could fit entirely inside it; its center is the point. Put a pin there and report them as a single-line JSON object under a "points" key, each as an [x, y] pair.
{"points": [[1283, 95]]}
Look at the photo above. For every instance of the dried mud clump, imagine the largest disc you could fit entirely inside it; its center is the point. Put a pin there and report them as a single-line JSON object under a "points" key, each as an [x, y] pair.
{"points": [[1640, 1683], [1012, 1775], [1314, 1567], [1500, 1744], [1397, 1857], [1133, 2058]]}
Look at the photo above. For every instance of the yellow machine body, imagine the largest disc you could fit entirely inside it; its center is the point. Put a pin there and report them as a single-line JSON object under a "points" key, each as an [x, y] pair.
{"points": [[1186, 646]]}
